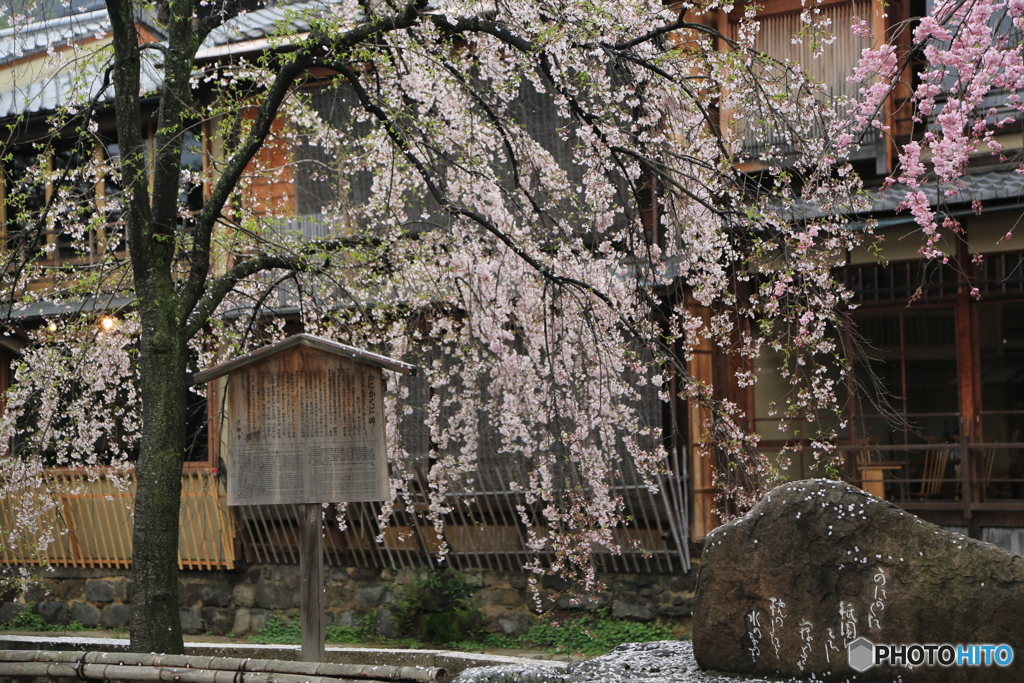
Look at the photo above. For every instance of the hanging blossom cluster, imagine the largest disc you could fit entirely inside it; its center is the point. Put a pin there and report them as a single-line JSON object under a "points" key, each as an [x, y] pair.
{"points": [[537, 203], [968, 91], [518, 241], [72, 416]]}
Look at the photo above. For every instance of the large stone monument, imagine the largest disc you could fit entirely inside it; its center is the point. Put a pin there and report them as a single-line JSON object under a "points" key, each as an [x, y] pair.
{"points": [[820, 575]]}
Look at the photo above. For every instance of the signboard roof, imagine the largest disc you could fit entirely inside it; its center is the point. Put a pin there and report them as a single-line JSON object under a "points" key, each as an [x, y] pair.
{"points": [[310, 341]]}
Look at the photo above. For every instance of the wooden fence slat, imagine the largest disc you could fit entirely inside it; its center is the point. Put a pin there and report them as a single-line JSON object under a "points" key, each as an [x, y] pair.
{"points": [[93, 524]]}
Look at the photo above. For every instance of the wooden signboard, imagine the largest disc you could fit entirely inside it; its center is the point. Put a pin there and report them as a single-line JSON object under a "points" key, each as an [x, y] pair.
{"points": [[305, 420], [306, 427]]}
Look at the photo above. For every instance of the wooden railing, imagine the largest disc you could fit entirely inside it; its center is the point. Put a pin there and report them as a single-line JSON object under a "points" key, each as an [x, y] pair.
{"points": [[91, 522], [950, 476], [484, 529]]}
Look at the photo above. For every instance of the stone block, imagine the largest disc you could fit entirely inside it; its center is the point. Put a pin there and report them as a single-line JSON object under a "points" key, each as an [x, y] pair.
{"points": [[518, 581], [269, 596], [189, 593], [370, 596], [676, 611], [406, 575], [36, 592], [54, 611], [646, 580], [634, 611], [556, 583], [84, 613], [215, 595], [589, 603], [510, 623], [386, 623], [362, 573], [288, 574], [191, 623], [116, 615], [218, 620], [242, 623], [494, 580], [69, 589], [499, 597], [9, 610], [347, 618], [123, 590], [685, 583], [340, 596], [99, 591], [244, 595], [258, 619]]}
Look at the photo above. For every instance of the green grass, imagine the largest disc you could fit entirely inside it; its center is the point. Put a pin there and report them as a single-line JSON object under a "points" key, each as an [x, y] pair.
{"points": [[29, 620], [588, 634], [281, 632]]}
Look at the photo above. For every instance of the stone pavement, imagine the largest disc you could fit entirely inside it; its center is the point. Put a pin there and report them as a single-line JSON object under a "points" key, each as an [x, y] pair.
{"points": [[666, 661]]}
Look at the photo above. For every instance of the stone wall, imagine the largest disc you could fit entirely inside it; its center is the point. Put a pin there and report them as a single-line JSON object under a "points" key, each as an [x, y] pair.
{"points": [[240, 602]]}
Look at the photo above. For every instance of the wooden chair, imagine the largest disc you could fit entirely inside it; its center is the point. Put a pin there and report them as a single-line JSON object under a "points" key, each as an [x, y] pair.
{"points": [[934, 468], [871, 476], [866, 454], [984, 468]]}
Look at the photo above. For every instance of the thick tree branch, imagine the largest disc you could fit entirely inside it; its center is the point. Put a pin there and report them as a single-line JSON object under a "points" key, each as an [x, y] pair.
{"points": [[228, 9], [194, 287], [127, 69], [282, 84], [221, 286]]}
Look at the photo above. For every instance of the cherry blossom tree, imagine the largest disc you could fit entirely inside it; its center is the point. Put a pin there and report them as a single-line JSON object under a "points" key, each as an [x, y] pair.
{"points": [[554, 265]]}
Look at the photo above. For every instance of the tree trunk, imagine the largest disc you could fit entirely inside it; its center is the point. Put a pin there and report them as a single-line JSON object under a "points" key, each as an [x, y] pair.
{"points": [[151, 225], [155, 624]]}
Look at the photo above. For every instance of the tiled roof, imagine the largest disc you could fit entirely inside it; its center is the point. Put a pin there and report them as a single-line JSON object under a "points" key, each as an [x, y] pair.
{"points": [[32, 39], [270, 21], [55, 90], [984, 187]]}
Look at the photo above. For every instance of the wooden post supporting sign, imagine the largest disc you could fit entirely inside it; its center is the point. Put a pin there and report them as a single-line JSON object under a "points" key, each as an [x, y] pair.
{"points": [[311, 567], [305, 422]]}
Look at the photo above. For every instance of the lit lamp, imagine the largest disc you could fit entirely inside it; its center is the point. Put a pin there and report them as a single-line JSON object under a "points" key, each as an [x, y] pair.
{"points": [[107, 323]]}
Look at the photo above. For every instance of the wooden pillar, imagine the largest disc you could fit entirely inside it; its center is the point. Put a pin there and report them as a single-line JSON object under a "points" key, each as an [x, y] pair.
{"points": [[879, 31], [311, 568], [701, 466], [968, 376]]}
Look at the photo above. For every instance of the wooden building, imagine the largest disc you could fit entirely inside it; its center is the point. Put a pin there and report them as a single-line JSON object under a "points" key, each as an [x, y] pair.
{"points": [[951, 450]]}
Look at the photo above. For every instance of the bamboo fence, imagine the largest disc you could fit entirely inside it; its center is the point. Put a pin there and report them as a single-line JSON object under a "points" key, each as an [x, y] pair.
{"points": [[197, 669], [91, 524]]}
